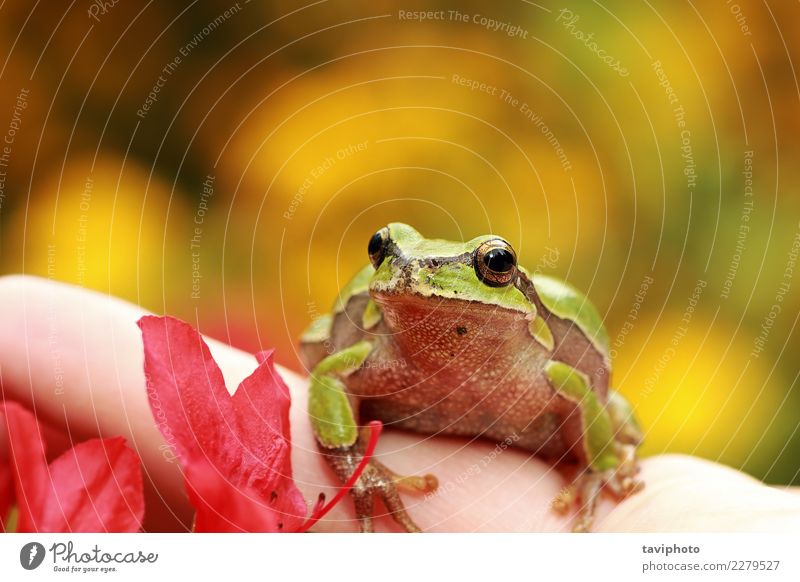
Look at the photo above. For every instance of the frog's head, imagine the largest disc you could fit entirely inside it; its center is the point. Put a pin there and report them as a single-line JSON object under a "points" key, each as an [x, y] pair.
{"points": [[419, 274]]}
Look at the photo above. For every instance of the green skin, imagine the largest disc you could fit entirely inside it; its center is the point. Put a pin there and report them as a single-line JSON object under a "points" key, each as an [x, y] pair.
{"points": [[424, 343]]}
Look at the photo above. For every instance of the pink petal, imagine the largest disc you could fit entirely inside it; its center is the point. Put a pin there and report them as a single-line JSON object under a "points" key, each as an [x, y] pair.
{"points": [[223, 507], [28, 464], [6, 492], [94, 487], [185, 387], [97, 487], [262, 405], [244, 437]]}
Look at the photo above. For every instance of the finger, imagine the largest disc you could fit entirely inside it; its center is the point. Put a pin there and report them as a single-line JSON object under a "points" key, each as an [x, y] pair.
{"points": [[74, 357], [481, 488], [684, 494]]}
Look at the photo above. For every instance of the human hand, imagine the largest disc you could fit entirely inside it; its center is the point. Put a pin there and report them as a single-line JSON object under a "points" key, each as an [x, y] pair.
{"points": [[75, 357]]}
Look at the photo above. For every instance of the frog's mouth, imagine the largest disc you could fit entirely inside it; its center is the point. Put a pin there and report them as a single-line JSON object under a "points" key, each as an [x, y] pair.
{"points": [[421, 321], [405, 309], [402, 307]]}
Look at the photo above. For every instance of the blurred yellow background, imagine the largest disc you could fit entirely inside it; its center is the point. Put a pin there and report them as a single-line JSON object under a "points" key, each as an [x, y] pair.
{"points": [[227, 162]]}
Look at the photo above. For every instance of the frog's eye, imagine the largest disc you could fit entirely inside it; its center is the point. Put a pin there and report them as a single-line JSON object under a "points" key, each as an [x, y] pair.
{"points": [[495, 263], [377, 247]]}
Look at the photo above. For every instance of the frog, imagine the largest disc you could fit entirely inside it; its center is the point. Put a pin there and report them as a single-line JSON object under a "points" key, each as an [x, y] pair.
{"points": [[456, 338]]}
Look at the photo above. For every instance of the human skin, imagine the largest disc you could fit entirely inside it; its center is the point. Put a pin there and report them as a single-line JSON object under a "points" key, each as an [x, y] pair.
{"points": [[92, 340]]}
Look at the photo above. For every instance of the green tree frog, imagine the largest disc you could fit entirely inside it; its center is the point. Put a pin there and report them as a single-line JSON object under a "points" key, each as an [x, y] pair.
{"points": [[456, 338]]}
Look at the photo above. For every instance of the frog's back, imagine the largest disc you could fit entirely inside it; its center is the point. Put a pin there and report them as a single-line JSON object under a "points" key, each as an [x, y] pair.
{"points": [[342, 327]]}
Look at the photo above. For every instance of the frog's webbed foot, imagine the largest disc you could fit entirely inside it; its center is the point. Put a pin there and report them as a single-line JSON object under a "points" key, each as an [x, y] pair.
{"points": [[378, 481], [585, 491]]}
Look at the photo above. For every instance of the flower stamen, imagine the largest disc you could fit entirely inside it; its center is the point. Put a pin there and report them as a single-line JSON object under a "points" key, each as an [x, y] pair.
{"points": [[319, 511]]}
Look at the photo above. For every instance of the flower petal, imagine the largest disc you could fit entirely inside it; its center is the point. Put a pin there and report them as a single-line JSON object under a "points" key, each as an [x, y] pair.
{"points": [[94, 487], [244, 437], [223, 507], [28, 464], [6, 492], [185, 387], [261, 404], [97, 487]]}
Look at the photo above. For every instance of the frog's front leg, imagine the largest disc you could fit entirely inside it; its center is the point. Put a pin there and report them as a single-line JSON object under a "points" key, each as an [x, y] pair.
{"points": [[610, 438], [342, 443]]}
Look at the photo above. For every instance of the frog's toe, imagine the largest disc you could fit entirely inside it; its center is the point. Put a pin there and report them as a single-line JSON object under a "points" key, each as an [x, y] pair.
{"points": [[391, 499], [584, 493], [564, 500], [364, 503], [587, 492], [426, 483], [377, 480], [622, 481]]}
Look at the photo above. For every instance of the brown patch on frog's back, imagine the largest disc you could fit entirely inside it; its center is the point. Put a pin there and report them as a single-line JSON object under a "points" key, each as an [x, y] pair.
{"points": [[571, 345], [574, 348], [346, 330]]}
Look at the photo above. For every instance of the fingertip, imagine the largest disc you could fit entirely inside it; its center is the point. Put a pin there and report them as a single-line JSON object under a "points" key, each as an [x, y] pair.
{"points": [[688, 494]]}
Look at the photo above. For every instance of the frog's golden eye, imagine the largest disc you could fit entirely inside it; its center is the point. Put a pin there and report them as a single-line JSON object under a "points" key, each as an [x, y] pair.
{"points": [[495, 262], [377, 247]]}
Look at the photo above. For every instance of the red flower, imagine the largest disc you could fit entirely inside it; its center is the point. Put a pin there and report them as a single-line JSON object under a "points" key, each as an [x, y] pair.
{"points": [[6, 492], [235, 450], [96, 486]]}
